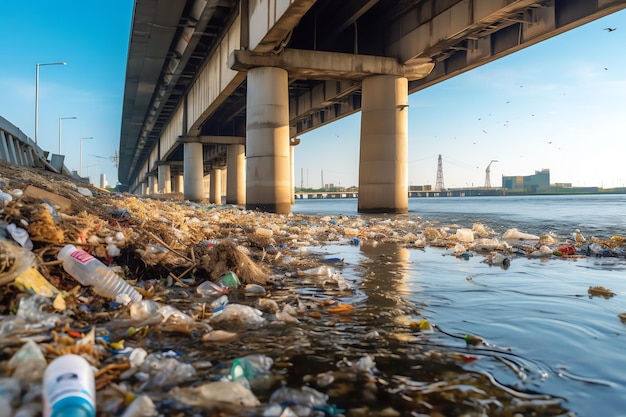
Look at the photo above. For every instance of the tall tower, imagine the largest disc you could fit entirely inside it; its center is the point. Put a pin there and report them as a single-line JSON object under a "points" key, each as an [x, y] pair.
{"points": [[488, 174], [439, 183]]}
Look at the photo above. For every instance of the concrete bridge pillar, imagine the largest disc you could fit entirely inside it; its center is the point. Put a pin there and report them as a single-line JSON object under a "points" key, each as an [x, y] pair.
{"points": [[235, 174], [165, 179], [291, 174], [152, 184], [178, 183], [383, 164], [206, 186], [215, 196], [193, 171], [142, 188], [267, 141]]}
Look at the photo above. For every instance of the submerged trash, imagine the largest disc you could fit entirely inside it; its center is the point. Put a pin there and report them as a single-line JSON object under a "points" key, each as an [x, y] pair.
{"points": [[496, 258], [600, 291], [238, 315], [221, 392]]}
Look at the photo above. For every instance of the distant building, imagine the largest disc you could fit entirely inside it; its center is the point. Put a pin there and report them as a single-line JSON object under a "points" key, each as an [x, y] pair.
{"points": [[420, 188], [533, 183]]}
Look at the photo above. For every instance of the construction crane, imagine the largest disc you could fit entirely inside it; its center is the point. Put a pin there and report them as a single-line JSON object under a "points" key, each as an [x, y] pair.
{"points": [[487, 174]]}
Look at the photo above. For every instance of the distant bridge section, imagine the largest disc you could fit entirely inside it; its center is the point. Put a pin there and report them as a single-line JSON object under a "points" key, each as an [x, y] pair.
{"points": [[226, 86]]}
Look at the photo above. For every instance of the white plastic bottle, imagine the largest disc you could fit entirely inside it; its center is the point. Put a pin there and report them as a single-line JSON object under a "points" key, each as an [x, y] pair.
{"points": [[90, 271], [69, 388]]}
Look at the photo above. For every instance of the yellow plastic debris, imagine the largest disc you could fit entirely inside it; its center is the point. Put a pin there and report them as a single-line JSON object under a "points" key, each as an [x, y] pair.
{"points": [[32, 281]]}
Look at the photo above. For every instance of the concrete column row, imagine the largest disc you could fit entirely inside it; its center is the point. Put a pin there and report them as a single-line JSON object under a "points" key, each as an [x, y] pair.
{"points": [[261, 174]]}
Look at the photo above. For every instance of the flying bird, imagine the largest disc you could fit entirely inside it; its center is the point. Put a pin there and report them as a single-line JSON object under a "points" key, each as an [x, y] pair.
{"points": [[610, 29]]}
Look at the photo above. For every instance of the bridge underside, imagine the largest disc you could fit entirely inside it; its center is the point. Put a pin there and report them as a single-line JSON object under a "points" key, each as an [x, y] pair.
{"points": [[172, 40]]}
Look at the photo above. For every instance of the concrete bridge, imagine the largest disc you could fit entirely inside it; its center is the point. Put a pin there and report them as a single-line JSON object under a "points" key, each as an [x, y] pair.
{"points": [[224, 87]]}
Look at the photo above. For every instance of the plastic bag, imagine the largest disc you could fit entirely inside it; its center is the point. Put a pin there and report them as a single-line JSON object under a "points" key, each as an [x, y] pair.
{"points": [[14, 260]]}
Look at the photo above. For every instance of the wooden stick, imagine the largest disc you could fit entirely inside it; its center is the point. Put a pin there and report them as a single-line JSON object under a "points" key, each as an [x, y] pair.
{"points": [[168, 246], [175, 278]]}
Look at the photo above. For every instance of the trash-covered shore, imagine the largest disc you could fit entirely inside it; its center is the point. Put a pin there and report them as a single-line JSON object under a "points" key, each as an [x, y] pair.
{"points": [[210, 278]]}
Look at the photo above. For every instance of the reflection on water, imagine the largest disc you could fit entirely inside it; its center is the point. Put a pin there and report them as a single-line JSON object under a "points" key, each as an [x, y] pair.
{"points": [[385, 269]]}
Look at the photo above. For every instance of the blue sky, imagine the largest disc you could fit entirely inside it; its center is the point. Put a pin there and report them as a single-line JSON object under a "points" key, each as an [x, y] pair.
{"points": [[560, 104], [92, 37]]}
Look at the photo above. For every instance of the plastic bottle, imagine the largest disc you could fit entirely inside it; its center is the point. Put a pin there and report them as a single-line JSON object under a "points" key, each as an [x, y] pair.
{"points": [[69, 388], [252, 371], [90, 271], [250, 366]]}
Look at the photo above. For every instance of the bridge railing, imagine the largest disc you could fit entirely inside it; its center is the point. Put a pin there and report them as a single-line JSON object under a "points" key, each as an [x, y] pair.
{"points": [[18, 149]]}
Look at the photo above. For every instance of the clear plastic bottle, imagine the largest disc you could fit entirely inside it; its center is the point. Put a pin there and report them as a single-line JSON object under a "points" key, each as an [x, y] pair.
{"points": [[253, 372], [90, 271], [69, 388]]}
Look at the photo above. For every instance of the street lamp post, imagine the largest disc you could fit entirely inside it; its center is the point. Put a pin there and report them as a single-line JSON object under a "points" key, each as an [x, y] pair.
{"points": [[37, 94], [62, 118], [80, 169]]}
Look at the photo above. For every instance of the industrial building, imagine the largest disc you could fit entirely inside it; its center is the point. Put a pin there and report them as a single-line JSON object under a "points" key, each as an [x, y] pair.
{"points": [[540, 181]]}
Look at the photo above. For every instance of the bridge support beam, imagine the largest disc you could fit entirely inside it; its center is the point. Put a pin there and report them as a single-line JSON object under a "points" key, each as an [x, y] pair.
{"points": [[235, 174], [215, 196], [165, 179], [193, 171], [267, 141], [383, 164]]}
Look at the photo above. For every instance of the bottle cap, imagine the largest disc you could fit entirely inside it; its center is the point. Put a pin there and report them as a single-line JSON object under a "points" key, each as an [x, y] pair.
{"points": [[73, 407], [239, 369]]}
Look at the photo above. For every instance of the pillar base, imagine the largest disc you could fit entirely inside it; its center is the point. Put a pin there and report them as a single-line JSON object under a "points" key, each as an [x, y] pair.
{"points": [[280, 208], [380, 210]]}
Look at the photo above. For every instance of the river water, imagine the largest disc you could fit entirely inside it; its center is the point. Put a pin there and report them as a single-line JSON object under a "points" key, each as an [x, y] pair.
{"points": [[549, 346]]}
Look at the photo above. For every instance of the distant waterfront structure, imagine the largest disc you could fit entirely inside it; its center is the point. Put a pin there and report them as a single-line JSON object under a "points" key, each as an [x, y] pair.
{"points": [[439, 183], [532, 183]]}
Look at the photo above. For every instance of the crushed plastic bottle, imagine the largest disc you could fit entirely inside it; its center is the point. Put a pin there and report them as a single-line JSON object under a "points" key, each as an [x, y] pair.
{"points": [[165, 370], [306, 396], [211, 289], [90, 271], [239, 315], [496, 258], [252, 371], [322, 270]]}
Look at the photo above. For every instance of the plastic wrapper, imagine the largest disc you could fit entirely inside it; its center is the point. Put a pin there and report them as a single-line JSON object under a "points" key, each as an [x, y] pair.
{"points": [[207, 395], [14, 260], [239, 315]]}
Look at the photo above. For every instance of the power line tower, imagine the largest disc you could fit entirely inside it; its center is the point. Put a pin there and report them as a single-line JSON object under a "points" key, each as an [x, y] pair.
{"points": [[439, 183]]}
